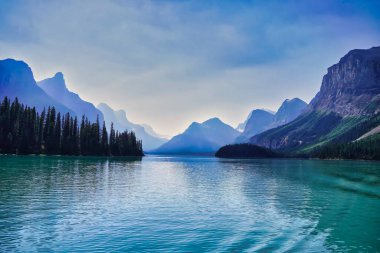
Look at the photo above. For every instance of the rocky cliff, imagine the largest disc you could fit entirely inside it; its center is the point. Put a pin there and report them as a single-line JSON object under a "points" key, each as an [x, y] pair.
{"points": [[352, 86], [346, 105]]}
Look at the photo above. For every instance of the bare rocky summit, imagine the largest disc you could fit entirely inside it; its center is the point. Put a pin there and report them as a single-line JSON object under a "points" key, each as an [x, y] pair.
{"points": [[352, 86]]}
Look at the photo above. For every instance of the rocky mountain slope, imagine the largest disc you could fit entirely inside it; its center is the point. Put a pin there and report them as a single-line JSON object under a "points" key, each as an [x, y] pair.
{"points": [[352, 86], [346, 107]]}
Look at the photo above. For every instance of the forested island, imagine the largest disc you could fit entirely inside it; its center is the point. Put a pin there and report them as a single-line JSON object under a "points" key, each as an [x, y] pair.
{"points": [[245, 150], [23, 130]]}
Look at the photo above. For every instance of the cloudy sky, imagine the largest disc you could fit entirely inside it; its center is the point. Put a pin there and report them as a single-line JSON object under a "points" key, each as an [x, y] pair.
{"points": [[168, 63]]}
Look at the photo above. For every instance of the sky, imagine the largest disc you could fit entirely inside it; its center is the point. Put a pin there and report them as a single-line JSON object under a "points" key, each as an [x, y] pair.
{"points": [[169, 63]]}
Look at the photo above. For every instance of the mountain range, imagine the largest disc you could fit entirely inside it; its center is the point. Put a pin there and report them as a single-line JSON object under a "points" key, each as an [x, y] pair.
{"points": [[209, 136], [17, 80], [346, 108], [200, 138], [260, 120]]}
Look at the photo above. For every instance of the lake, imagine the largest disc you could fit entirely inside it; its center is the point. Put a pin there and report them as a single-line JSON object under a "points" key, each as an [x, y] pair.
{"points": [[188, 204]]}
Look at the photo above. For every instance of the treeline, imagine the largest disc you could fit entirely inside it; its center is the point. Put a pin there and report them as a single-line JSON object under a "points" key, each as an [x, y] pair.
{"points": [[245, 150], [367, 149], [23, 130]]}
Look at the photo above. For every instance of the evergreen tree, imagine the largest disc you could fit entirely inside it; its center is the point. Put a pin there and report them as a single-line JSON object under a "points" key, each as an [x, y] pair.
{"points": [[24, 131], [104, 141]]}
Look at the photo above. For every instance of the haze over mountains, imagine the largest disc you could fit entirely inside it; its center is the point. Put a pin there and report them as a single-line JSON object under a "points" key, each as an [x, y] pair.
{"points": [[200, 138], [346, 109], [209, 136], [260, 120], [120, 123], [17, 80], [56, 88]]}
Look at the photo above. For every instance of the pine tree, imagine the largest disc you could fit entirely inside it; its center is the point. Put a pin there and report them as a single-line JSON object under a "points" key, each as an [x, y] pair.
{"points": [[24, 131]]}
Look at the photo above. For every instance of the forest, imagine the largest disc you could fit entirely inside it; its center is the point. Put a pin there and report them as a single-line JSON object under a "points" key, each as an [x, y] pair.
{"points": [[23, 130], [245, 150], [366, 149]]}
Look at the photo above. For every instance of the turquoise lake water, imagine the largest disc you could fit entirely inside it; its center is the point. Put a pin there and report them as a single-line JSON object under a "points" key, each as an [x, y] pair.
{"points": [[188, 204]]}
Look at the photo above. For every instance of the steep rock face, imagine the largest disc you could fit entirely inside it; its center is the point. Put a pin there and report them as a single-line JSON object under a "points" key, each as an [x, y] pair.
{"points": [[56, 88], [352, 86], [121, 123], [16, 80], [348, 100], [198, 138]]}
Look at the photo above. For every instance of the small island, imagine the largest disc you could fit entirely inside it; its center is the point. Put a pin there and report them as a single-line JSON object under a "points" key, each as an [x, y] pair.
{"points": [[245, 150]]}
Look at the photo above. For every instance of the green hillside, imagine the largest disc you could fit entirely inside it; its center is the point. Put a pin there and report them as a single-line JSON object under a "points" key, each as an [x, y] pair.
{"points": [[368, 149]]}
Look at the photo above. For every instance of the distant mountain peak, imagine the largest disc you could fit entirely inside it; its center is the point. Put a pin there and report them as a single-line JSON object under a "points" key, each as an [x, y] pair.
{"points": [[17, 80], [58, 81], [58, 75], [213, 121], [205, 137], [19, 68], [56, 88], [13, 62], [293, 100], [193, 125], [104, 105], [260, 120]]}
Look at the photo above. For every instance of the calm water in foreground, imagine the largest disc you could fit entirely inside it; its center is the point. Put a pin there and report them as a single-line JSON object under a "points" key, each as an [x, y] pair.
{"points": [[184, 204]]}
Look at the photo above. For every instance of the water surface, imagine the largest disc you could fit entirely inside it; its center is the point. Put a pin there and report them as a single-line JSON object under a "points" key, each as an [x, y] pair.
{"points": [[188, 204]]}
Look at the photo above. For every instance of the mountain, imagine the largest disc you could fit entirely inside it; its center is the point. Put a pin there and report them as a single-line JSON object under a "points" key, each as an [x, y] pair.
{"points": [[241, 126], [346, 107], [258, 121], [56, 88], [261, 120], [352, 86], [121, 123], [17, 80], [288, 111], [200, 138], [153, 133]]}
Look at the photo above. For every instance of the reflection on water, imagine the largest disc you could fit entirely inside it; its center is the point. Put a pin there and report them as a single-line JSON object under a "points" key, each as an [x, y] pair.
{"points": [[188, 204]]}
